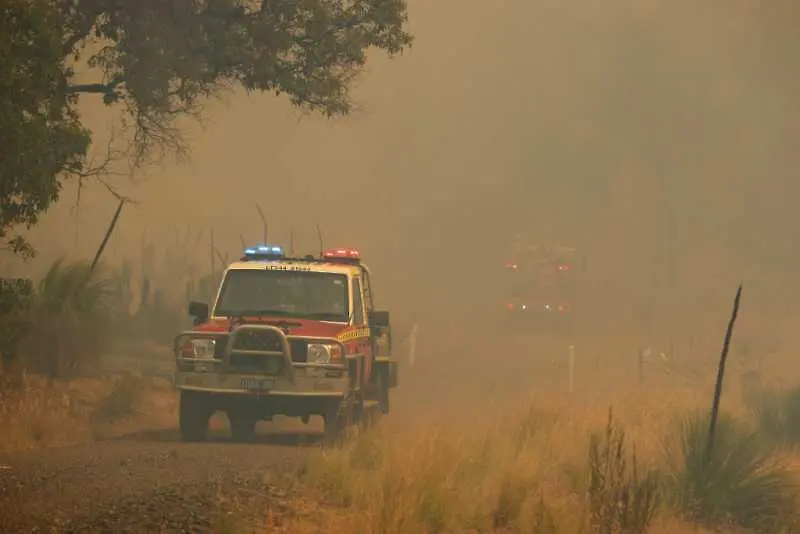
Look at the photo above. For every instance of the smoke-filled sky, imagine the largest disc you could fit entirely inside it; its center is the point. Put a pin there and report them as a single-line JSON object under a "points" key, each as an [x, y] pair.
{"points": [[659, 137]]}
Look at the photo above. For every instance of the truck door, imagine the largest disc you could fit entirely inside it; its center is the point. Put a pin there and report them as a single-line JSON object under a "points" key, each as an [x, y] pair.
{"points": [[363, 343]]}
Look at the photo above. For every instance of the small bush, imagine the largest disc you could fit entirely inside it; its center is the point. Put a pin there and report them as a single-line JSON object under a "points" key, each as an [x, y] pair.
{"points": [[16, 296], [35, 413], [620, 500], [777, 415], [123, 399], [740, 485]]}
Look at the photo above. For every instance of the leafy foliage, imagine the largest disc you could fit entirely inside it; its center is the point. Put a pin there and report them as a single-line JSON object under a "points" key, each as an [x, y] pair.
{"points": [[16, 296], [160, 61], [739, 485], [40, 134]]}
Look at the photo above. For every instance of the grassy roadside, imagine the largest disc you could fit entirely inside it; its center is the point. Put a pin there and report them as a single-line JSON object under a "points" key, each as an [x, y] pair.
{"points": [[38, 413], [553, 466]]}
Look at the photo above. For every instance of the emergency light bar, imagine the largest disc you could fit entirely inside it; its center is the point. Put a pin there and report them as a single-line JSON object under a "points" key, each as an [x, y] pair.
{"points": [[264, 252], [344, 255]]}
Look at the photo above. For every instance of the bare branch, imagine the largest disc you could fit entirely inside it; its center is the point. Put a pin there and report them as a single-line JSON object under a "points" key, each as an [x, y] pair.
{"points": [[100, 169], [114, 192], [155, 135]]}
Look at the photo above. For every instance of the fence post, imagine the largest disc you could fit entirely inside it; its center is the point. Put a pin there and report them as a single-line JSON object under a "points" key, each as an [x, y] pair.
{"points": [[640, 367], [412, 345], [571, 358]]}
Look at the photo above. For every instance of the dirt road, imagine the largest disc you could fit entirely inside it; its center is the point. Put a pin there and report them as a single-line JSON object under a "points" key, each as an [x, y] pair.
{"points": [[145, 483]]}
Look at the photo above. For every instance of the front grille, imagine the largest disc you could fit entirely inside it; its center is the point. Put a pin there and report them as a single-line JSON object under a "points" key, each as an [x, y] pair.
{"points": [[258, 340], [261, 341]]}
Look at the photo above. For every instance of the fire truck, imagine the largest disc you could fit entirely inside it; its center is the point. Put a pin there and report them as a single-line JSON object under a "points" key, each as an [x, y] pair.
{"points": [[539, 281], [286, 336]]}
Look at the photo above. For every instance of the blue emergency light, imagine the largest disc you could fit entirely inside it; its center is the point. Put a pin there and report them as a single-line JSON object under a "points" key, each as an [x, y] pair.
{"points": [[264, 252]]}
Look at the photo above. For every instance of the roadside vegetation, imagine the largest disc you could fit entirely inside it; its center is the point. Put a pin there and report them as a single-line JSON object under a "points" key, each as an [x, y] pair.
{"points": [[60, 337], [654, 461], [557, 469]]}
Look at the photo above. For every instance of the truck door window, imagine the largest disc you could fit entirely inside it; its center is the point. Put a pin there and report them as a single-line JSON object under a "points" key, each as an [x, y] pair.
{"points": [[358, 303], [368, 293]]}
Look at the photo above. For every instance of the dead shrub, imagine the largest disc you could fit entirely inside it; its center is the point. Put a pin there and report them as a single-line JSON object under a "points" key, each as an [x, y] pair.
{"points": [[122, 400], [620, 500], [36, 412]]}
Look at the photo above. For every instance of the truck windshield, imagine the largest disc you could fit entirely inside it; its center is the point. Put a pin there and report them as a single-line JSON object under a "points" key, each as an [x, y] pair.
{"points": [[300, 294]]}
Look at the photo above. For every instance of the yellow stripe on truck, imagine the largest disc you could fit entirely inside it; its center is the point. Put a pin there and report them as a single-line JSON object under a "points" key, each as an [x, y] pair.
{"points": [[353, 334]]}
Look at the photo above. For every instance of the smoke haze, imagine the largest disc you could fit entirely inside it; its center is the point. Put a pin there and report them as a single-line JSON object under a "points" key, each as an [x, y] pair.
{"points": [[659, 137]]}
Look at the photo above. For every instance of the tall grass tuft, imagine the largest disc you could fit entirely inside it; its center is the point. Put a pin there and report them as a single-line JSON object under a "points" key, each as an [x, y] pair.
{"points": [[70, 319], [741, 485], [620, 499]]}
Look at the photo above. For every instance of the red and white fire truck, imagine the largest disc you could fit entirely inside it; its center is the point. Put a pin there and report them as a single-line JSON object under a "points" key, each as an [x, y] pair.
{"points": [[286, 336], [540, 281]]}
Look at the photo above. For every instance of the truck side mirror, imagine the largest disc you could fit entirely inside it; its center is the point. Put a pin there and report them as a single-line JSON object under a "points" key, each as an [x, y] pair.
{"points": [[379, 318], [199, 311]]}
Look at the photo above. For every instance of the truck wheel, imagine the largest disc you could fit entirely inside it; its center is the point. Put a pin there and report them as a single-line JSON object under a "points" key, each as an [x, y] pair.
{"points": [[194, 415], [243, 426]]}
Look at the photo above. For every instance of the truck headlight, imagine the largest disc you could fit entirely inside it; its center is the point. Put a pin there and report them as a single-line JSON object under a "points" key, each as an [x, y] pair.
{"points": [[200, 348], [322, 353]]}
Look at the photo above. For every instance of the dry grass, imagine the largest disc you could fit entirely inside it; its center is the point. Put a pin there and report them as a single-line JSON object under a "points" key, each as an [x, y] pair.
{"points": [[36, 412], [530, 470]]}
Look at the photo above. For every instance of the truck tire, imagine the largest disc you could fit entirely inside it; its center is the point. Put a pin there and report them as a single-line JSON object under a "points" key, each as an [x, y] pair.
{"points": [[243, 426], [194, 415]]}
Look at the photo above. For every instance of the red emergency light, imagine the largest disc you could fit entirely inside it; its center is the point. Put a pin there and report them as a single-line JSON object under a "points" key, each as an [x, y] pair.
{"points": [[347, 255]]}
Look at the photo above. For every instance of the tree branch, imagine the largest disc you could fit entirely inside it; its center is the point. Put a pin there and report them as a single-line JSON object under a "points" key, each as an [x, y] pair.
{"points": [[68, 47], [81, 24], [101, 88]]}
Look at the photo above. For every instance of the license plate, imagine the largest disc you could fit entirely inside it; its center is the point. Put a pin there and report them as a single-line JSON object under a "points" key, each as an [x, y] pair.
{"points": [[257, 384]]}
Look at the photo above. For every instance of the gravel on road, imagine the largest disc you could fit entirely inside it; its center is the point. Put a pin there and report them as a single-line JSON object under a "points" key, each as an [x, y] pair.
{"points": [[146, 483]]}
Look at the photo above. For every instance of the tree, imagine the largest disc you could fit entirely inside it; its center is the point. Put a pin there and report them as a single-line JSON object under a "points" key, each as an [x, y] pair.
{"points": [[160, 61], [41, 137]]}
